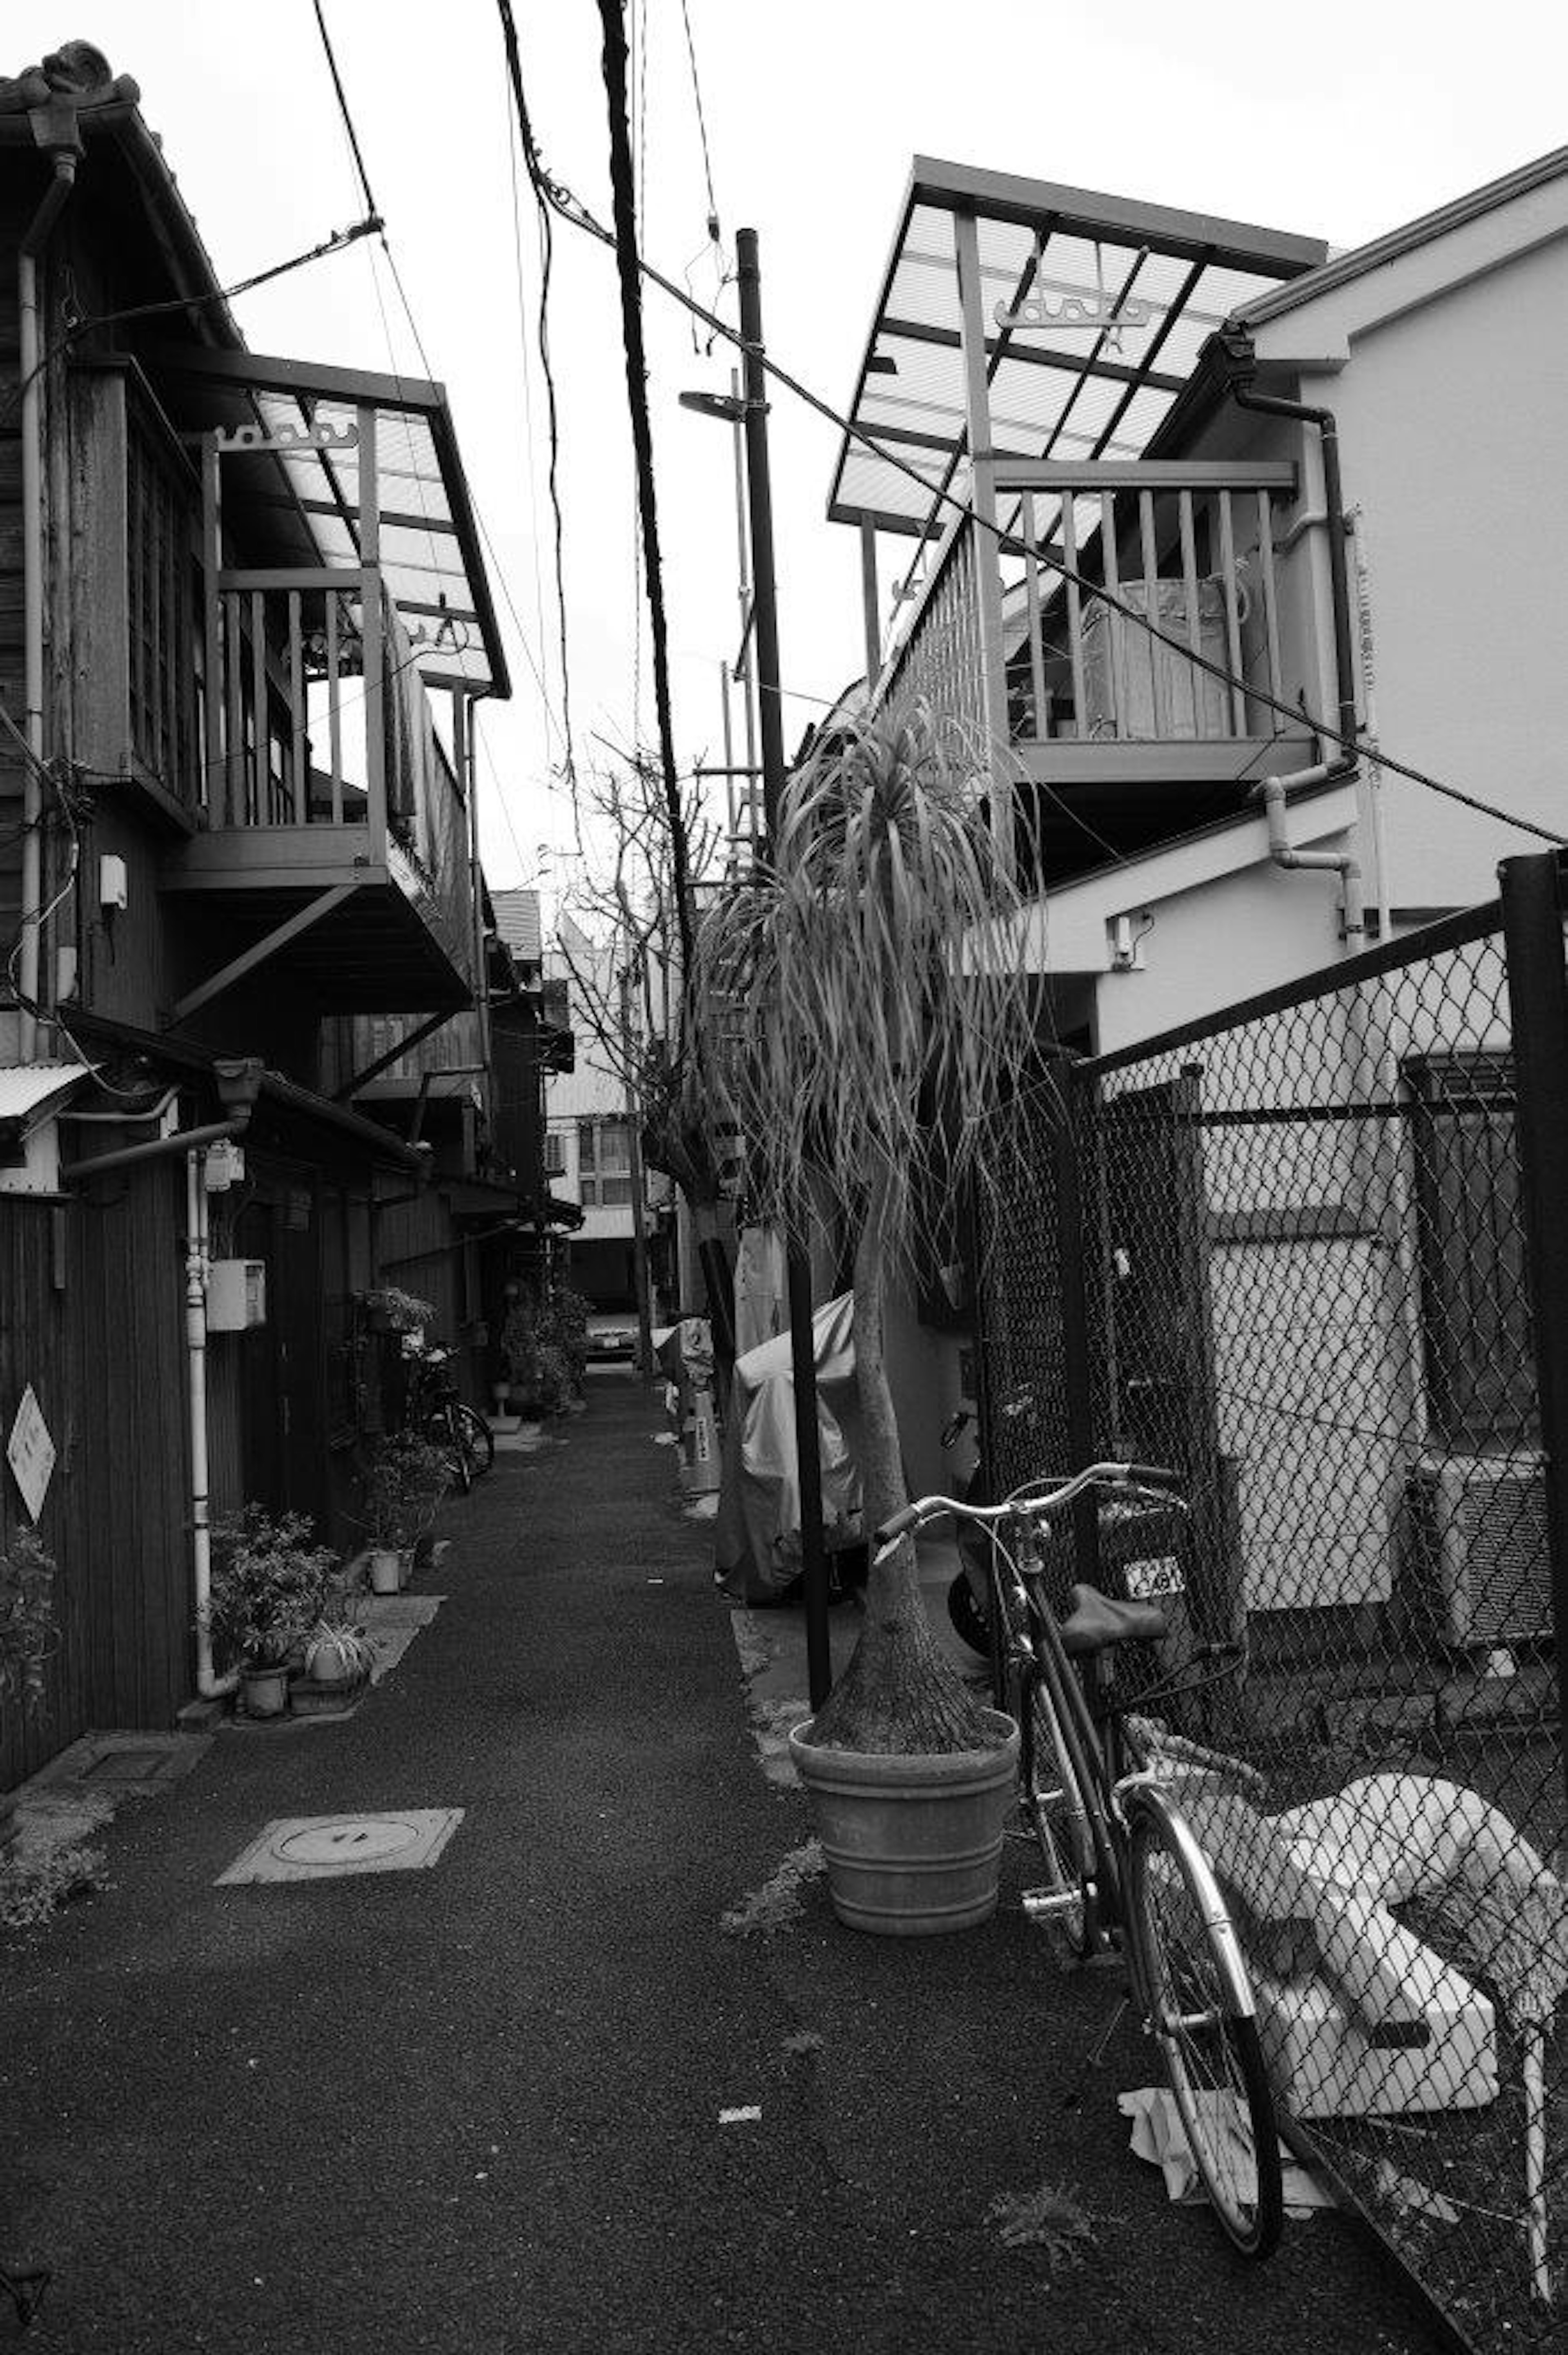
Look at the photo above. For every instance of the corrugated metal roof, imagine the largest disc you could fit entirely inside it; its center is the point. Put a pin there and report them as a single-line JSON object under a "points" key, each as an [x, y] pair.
{"points": [[517, 923], [26, 1087]]}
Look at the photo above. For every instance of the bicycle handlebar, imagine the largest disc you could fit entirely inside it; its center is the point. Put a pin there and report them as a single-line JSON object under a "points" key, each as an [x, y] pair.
{"points": [[1154, 1479]]}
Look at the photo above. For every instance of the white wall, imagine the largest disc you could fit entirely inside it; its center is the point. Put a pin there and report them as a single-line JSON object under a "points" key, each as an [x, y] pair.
{"points": [[1454, 438]]}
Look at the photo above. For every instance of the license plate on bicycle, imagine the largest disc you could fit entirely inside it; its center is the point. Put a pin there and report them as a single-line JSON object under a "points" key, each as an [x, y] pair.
{"points": [[1147, 1581]]}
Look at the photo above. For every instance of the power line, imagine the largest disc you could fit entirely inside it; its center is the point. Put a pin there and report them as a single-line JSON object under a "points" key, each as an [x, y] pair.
{"points": [[701, 124], [625, 205], [546, 246], [357, 153], [343, 108], [560, 199]]}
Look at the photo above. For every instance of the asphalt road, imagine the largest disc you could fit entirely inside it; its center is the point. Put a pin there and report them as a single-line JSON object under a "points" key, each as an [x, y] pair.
{"points": [[481, 2107]]}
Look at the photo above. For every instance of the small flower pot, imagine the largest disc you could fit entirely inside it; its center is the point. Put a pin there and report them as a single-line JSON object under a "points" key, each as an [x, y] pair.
{"points": [[265, 1691], [385, 1571]]}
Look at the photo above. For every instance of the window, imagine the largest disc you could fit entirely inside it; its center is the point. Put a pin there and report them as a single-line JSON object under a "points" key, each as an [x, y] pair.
{"points": [[163, 601], [1480, 1365], [555, 1152], [615, 1148], [585, 1146]]}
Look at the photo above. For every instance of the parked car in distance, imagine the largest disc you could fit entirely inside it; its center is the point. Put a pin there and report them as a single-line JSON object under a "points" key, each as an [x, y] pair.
{"points": [[611, 1339]]}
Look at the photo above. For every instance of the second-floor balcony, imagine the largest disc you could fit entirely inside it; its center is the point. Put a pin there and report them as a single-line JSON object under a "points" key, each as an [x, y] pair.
{"points": [[1119, 635], [339, 588]]}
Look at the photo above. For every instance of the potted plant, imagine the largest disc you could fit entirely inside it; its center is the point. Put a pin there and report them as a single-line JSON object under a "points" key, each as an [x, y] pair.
{"points": [[874, 967], [403, 1486], [28, 1634], [269, 1583], [389, 1310], [339, 1654], [27, 1625], [523, 1353]]}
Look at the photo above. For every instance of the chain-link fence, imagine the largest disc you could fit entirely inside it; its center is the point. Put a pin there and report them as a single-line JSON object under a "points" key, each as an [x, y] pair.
{"points": [[1286, 1252]]}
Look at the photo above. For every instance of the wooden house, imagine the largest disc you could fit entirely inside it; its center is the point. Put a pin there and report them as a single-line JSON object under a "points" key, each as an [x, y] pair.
{"points": [[244, 1030]]}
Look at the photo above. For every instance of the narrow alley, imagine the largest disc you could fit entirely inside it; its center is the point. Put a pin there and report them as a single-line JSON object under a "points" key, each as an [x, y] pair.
{"points": [[536, 2096]]}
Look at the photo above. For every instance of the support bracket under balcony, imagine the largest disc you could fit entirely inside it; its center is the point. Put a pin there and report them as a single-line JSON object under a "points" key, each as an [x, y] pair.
{"points": [[259, 951]]}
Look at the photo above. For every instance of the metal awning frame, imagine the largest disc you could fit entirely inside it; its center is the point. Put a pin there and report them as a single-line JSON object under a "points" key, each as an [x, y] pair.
{"points": [[307, 384], [1200, 242]]}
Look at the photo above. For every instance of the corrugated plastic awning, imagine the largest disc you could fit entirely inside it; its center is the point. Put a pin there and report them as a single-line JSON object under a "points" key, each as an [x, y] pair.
{"points": [[1103, 307], [430, 556]]}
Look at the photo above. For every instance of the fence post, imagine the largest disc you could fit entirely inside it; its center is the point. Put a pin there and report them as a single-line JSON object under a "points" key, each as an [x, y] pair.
{"points": [[1537, 1000], [1077, 1367]]}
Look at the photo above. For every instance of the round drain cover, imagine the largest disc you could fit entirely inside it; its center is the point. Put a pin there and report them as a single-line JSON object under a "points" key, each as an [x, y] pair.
{"points": [[358, 1840]]}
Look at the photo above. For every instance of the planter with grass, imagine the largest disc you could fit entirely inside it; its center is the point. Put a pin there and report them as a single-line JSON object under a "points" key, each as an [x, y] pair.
{"points": [[268, 1584], [871, 970]]}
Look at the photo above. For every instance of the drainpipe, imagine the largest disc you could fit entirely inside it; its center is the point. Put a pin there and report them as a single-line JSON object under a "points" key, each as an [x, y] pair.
{"points": [[33, 240], [209, 1685], [238, 1082], [1274, 793], [1244, 360]]}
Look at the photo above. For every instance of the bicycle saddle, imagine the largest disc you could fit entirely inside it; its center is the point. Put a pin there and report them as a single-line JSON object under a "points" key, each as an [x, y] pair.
{"points": [[1095, 1622]]}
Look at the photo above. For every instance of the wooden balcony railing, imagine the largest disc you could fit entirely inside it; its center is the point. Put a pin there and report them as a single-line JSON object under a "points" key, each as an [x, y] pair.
{"points": [[1076, 689], [323, 760]]}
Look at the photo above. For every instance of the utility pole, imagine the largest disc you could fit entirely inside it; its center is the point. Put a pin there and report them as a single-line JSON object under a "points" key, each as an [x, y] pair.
{"points": [[639, 1207], [770, 725]]}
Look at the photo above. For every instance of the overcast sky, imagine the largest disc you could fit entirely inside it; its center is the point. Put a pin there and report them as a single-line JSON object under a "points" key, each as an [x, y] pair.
{"points": [[1339, 121]]}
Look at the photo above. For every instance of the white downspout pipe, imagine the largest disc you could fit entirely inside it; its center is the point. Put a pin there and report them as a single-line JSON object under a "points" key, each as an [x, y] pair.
{"points": [[211, 1686], [28, 961], [1274, 794]]}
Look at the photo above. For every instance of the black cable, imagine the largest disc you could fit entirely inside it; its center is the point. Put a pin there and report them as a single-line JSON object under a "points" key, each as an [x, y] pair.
{"points": [[547, 242], [561, 199], [335, 243], [623, 195], [702, 123], [343, 108]]}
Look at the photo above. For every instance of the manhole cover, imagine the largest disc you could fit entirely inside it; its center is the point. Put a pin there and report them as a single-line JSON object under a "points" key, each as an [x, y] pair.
{"points": [[322, 1848], [367, 1840]]}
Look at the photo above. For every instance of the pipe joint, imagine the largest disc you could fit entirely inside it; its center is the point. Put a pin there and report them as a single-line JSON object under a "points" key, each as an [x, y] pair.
{"points": [[1274, 793]]}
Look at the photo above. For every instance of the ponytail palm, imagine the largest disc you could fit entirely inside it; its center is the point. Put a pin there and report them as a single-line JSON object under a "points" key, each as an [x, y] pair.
{"points": [[870, 979]]}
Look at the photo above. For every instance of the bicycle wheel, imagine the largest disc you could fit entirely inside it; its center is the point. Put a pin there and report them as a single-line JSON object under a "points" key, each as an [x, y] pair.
{"points": [[442, 1432], [1200, 2012], [1053, 1810], [478, 1439]]}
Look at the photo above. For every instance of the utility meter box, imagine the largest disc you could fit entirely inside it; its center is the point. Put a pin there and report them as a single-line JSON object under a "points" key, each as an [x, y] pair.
{"points": [[235, 1294]]}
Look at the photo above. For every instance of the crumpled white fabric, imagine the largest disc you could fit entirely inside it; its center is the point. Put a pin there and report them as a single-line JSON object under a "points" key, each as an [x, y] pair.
{"points": [[1159, 2137]]}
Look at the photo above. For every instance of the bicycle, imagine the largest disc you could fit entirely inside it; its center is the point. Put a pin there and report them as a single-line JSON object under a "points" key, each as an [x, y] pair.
{"points": [[1126, 1872], [436, 1412]]}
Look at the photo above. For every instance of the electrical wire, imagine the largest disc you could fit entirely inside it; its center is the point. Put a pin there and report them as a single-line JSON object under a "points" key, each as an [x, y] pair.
{"points": [[371, 226], [615, 65], [357, 153], [571, 209], [702, 123], [547, 245], [342, 107]]}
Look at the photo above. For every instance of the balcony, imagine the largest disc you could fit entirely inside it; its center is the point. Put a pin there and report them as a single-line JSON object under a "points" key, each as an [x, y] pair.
{"points": [[1031, 349], [1110, 728], [331, 820]]}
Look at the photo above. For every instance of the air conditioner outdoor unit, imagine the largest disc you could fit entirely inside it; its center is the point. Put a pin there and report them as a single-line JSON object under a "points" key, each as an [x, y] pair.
{"points": [[1481, 1548]]}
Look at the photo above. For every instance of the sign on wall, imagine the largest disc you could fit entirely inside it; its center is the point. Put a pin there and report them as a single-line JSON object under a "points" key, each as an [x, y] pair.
{"points": [[31, 1453]]}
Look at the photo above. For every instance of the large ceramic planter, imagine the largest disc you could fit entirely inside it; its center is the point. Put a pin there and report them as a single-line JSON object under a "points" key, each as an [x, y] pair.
{"points": [[912, 1845]]}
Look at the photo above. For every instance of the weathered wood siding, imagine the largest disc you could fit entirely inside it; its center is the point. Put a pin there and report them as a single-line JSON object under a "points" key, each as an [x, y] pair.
{"points": [[91, 1314]]}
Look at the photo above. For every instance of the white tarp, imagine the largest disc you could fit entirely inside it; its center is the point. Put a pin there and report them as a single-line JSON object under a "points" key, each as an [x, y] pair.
{"points": [[756, 1537]]}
